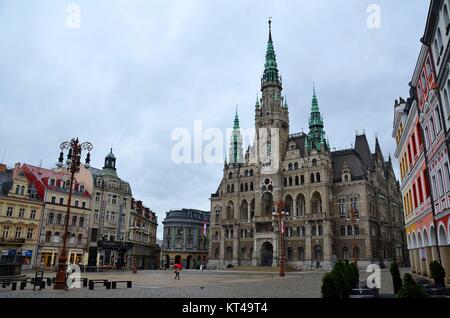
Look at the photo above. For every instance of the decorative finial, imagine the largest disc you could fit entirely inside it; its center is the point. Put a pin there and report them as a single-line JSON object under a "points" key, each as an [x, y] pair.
{"points": [[314, 88], [270, 29]]}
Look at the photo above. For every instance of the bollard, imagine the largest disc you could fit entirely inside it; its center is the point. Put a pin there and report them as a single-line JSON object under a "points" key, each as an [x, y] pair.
{"points": [[23, 285], [13, 286], [42, 285], [85, 282], [114, 285], [129, 284], [91, 285], [108, 285], [49, 281]]}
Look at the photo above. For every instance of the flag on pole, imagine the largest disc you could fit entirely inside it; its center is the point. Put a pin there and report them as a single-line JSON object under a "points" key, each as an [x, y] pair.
{"points": [[204, 228]]}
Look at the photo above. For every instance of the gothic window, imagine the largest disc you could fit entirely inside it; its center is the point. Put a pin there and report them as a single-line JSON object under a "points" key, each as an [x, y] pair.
{"points": [[296, 166], [290, 254], [285, 182], [317, 252], [232, 188], [296, 180], [290, 181], [228, 188], [345, 253], [301, 253], [246, 173], [356, 252], [316, 203], [314, 230], [320, 230], [346, 178], [317, 177], [230, 175], [242, 187], [343, 230], [290, 166], [302, 179], [349, 230], [314, 162], [251, 186], [246, 187], [312, 178], [229, 253], [356, 229], [251, 172]]}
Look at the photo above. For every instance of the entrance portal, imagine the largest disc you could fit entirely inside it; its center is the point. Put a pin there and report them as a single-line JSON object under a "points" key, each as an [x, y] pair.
{"points": [[266, 254]]}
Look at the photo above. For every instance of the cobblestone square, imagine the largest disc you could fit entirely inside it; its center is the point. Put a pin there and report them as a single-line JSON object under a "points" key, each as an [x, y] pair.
{"points": [[197, 284]]}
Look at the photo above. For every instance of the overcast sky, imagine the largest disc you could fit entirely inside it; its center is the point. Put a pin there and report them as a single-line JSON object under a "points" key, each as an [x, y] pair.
{"points": [[136, 70]]}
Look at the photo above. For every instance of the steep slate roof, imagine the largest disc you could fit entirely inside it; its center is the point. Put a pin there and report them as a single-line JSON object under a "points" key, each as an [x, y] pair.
{"points": [[354, 163], [6, 181], [299, 140]]}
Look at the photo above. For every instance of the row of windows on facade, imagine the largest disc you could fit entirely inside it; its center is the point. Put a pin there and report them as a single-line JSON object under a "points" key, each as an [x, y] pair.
{"points": [[440, 185], [244, 187], [75, 204], [113, 184], [110, 216], [188, 244], [294, 166], [179, 230], [65, 185], [58, 221], [244, 255], [18, 232], [112, 199], [20, 190], [57, 238], [22, 212], [300, 181], [343, 208]]}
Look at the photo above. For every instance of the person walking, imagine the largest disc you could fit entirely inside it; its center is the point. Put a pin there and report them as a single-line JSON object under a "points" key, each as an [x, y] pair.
{"points": [[177, 271]]}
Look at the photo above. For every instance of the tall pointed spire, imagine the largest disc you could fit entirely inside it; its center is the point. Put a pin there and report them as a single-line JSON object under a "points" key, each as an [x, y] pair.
{"points": [[236, 150], [270, 76], [316, 136]]}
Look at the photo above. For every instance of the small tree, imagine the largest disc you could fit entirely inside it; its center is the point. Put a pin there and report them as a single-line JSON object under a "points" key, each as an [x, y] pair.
{"points": [[330, 288], [410, 289], [355, 271], [438, 273], [396, 278]]}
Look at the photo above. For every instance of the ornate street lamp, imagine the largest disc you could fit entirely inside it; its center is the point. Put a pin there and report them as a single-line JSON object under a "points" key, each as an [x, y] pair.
{"points": [[280, 214], [73, 166]]}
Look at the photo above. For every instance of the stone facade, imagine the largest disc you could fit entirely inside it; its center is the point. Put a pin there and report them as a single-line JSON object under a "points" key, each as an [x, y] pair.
{"points": [[184, 240], [339, 205]]}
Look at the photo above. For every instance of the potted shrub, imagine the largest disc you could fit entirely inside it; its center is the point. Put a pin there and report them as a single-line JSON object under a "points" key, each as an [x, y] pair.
{"points": [[396, 278], [437, 273], [410, 289], [330, 287]]}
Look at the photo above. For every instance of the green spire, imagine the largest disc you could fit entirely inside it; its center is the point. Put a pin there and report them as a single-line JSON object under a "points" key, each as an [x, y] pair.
{"points": [[270, 67], [236, 120], [316, 136]]}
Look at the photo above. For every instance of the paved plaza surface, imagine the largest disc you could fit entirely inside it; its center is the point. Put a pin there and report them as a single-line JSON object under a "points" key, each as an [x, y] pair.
{"points": [[197, 284]]}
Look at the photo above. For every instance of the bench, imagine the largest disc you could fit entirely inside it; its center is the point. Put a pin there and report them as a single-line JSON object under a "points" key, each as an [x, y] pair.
{"points": [[105, 283], [128, 282]]}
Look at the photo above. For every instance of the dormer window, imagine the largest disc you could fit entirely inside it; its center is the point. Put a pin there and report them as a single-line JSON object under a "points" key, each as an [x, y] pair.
{"points": [[99, 182], [81, 188], [51, 182]]}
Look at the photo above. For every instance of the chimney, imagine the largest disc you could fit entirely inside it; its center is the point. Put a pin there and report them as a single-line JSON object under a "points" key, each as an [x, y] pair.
{"points": [[16, 170], [2, 167]]}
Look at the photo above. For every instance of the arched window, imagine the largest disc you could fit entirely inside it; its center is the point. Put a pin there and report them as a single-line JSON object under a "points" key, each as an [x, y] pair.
{"points": [[251, 186], [229, 253], [230, 175], [242, 187], [302, 179], [312, 178], [346, 178], [216, 253], [290, 181], [314, 230], [243, 253], [217, 216], [317, 252], [314, 162], [345, 253], [251, 172], [316, 203], [349, 230], [48, 236], [295, 165], [246, 173], [356, 252], [230, 211], [290, 166], [317, 177], [290, 254], [285, 182], [438, 119], [296, 180], [246, 187], [320, 230], [356, 229], [232, 188], [343, 230], [301, 253], [228, 188], [17, 189]]}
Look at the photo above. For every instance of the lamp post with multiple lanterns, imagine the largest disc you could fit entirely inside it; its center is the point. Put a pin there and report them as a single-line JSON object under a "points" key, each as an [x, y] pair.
{"points": [[280, 213], [74, 148]]}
